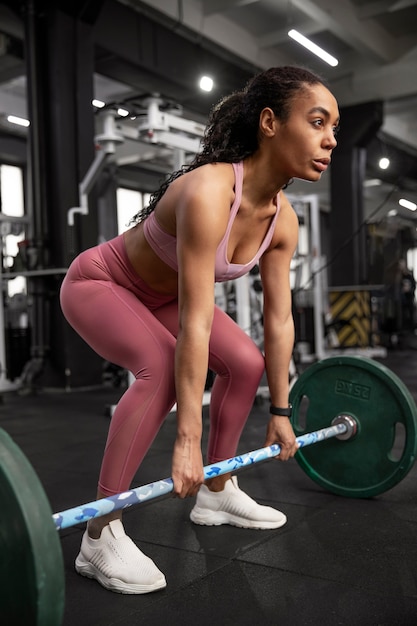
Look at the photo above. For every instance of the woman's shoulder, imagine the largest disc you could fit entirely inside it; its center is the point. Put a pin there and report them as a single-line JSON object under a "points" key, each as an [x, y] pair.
{"points": [[286, 207], [286, 229], [213, 172], [209, 172], [213, 179]]}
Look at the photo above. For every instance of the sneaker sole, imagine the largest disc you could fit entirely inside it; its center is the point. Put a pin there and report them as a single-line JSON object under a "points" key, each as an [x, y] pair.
{"points": [[215, 518], [84, 568]]}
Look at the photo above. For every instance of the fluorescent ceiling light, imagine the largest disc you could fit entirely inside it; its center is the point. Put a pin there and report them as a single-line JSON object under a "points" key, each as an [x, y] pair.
{"points": [[99, 104], [18, 120], [411, 206], [325, 56], [122, 112]]}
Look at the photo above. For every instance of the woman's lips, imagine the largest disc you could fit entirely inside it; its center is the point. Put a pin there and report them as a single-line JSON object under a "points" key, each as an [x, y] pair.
{"points": [[321, 164]]}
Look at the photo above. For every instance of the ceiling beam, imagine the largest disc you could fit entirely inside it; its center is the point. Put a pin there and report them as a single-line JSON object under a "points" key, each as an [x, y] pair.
{"points": [[368, 38], [374, 9], [210, 7], [403, 4], [380, 7], [214, 26], [384, 83]]}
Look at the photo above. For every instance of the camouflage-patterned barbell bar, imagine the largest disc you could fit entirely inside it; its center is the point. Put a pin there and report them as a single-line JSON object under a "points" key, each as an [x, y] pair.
{"points": [[31, 566]]}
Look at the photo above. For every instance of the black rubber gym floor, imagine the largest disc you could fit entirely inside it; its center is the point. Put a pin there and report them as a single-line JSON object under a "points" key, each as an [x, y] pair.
{"points": [[338, 561]]}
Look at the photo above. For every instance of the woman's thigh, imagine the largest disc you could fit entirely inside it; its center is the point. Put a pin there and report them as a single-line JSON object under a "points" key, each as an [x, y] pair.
{"points": [[231, 349], [116, 325]]}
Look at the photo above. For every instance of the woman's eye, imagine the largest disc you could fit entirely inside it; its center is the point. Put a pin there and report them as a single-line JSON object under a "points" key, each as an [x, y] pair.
{"points": [[318, 122]]}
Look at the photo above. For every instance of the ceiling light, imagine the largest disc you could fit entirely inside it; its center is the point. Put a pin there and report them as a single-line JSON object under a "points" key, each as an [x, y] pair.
{"points": [[325, 56], [99, 104], [411, 206], [122, 112], [20, 121], [384, 163], [206, 83]]}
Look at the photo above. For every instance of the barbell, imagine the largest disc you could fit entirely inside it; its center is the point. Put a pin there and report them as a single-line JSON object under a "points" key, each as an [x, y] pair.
{"points": [[360, 411]]}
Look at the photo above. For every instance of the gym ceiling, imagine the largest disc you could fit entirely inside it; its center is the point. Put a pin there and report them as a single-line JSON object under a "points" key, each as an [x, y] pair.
{"points": [[162, 46]]}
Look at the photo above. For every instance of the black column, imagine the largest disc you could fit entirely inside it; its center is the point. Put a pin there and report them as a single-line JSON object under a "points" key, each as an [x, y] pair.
{"points": [[59, 54], [347, 235]]}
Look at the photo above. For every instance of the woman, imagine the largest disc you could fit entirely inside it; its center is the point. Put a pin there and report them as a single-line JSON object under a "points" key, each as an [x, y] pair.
{"points": [[145, 300]]}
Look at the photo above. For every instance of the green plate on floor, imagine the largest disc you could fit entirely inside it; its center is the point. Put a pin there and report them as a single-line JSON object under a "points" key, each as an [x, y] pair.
{"points": [[384, 449], [31, 564]]}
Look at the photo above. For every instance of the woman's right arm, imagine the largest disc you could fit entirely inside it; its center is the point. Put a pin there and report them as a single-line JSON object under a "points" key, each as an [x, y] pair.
{"points": [[201, 219]]}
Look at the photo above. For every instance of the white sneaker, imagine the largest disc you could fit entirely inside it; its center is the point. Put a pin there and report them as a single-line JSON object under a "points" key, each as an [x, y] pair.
{"points": [[117, 563], [233, 506]]}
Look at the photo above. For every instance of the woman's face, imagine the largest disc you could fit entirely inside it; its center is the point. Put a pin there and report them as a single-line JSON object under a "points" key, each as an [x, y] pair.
{"points": [[305, 141]]}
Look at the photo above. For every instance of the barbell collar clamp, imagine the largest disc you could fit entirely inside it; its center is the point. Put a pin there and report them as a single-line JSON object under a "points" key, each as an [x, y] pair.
{"points": [[351, 426]]}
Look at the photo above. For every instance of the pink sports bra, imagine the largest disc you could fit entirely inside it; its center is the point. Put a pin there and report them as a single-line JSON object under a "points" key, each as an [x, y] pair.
{"points": [[164, 244]]}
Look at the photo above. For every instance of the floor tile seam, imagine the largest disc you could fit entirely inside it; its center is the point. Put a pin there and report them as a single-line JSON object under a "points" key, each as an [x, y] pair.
{"points": [[228, 559], [271, 534], [198, 552], [327, 579], [220, 557], [198, 579], [281, 504]]}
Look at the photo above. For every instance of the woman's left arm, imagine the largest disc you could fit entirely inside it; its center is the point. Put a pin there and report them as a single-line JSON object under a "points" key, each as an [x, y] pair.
{"points": [[279, 324]]}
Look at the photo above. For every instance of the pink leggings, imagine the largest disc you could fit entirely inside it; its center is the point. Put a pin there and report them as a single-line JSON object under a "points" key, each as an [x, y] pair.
{"points": [[134, 327]]}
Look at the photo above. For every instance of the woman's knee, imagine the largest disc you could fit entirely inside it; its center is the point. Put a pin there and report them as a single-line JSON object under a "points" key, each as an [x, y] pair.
{"points": [[232, 352], [156, 364], [250, 362], [244, 363]]}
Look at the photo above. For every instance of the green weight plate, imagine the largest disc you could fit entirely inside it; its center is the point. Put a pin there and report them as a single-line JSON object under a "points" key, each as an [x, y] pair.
{"points": [[385, 446], [31, 565]]}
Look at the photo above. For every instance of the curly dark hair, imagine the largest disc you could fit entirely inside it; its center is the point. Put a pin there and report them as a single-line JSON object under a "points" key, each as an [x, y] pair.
{"points": [[231, 133]]}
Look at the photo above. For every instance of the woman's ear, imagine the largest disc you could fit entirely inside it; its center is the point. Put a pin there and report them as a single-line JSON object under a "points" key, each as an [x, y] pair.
{"points": [[267, 122]]}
